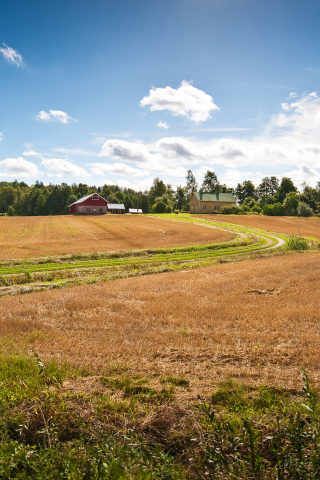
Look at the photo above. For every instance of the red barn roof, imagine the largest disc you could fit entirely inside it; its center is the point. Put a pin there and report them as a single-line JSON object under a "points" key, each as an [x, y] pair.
{"points": [[87, 197]]}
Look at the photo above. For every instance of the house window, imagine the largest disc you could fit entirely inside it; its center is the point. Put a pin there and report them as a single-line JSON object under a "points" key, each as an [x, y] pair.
{"points": [[95, 197], [94, 209], [192, 207], [101, 210], [194, 199], [88, 209], [196, 207], [204, 207], [216, 207], [113, 211]]}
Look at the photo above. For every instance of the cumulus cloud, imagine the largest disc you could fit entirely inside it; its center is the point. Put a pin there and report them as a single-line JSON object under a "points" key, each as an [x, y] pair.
{"points": [[291, 138], [185, 101], [123, 150], [64, 167], [31, 153], [163, 125], [13, 167], [304, 173], [1, 136], [54, 116], [292, 95], [11, 55]]}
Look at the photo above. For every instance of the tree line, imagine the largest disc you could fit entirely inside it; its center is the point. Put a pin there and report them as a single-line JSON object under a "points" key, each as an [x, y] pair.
{"points": [[271, 197]]}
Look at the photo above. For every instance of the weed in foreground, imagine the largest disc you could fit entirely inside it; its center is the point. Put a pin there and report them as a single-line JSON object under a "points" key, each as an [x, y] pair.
{"points": [[242, 432], [297, 243]]}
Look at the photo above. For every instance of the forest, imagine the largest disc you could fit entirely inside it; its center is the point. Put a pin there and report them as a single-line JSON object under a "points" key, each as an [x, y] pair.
{"points": [[271, 197]]}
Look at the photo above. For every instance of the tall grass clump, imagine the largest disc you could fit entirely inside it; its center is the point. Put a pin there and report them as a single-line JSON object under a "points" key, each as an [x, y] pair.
{"points": [[297, 243]]}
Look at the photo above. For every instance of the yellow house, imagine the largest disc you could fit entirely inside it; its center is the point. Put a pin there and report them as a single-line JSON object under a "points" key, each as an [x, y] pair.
{"points": [[213, 202]]}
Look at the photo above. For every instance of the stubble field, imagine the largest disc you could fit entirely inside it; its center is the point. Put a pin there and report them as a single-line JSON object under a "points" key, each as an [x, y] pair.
{"points": [[244, 321], [25, 237], [309, 227]]}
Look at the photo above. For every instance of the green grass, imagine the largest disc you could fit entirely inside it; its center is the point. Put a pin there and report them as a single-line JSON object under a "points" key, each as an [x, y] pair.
{"points": [[240, 431], [297, 243]]}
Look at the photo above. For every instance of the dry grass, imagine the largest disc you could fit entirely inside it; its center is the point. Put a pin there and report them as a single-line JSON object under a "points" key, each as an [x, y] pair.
{"points": [[256, 321], [22, 237], [310, 227]]}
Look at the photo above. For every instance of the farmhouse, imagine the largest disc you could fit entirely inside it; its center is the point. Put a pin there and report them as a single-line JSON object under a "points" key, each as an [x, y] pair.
{"points": [[211, 202], [92, 204]]}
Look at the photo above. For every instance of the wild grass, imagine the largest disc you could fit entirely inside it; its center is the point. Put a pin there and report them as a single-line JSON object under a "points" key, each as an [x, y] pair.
{"points": [[297, 243], [49, 431]]}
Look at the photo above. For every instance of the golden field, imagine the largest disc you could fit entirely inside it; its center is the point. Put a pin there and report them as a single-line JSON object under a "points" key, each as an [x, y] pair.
{"points": [[256, 321], [23, 237], [309, 227]]}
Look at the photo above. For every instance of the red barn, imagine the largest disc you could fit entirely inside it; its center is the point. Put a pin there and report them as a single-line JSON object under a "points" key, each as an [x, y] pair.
{"points": [[92, 204]]}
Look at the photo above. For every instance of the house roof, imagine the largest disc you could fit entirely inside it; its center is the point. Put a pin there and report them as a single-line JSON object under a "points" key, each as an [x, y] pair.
{"points": [[118, 206], [215, 197], [134, 210], [86, 198]]}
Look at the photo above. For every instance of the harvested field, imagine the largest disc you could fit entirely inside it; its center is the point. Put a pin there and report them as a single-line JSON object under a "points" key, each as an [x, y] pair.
{"points": [[247, 320], [22, 237], [310, 227]]}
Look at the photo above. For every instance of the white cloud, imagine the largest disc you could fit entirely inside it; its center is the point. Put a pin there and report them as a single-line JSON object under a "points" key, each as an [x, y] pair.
{"points": [[123, 150], [11, 55], [64, 167], [1, 136], [304, 173], [31, 153], [163, 125], [291, 138], [13, 167], [185, 101], [55, 116], [292, 95]]}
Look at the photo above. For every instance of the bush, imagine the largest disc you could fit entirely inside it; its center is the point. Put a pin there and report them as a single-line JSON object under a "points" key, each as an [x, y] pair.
{"points": [[230, 210], [304, 210], [243, 209], [168, 209], [297, 243], [176, 212], [273, 210], [256, 209], [159, 207]]}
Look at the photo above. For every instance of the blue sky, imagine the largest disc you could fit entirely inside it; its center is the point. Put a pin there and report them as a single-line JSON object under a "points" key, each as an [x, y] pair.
{"points": [[119, 92]]}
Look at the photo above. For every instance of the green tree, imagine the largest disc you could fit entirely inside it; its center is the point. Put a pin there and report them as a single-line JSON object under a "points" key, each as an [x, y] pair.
{"points": [[290, 203], [268, 186], [245, 190], [157, 189], [286, 186], [180, 198], [210, 182], [192, 184]]}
